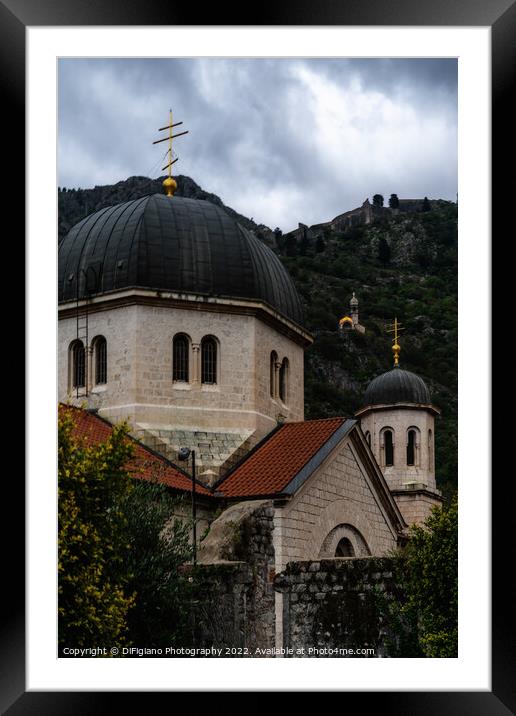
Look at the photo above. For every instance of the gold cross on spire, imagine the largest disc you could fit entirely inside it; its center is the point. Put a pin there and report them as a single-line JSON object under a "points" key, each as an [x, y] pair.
{"points": [[395, 328], [169, 183]]}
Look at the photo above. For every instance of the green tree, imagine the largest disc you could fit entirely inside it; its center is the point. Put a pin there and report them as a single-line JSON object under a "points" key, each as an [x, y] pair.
{"points": [[320, 245], [304, 244], [94, 596], [290, 245], [384, 251], [394, 202], [377, 200], [430, 583], [159, 541], [426, 204]]}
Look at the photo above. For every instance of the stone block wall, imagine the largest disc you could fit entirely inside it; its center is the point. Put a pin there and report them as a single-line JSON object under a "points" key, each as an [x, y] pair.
{"points": [[333, 605], [234, 593], [339, 494]]}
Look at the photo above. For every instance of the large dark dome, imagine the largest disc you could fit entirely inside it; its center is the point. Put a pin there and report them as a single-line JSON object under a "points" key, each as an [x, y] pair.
{"points": [[172, 244], [397, 386]]}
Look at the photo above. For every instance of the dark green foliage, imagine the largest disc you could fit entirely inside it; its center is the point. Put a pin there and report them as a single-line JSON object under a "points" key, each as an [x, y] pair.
{"points": [[394, 202], [384, 251], [427, 571], [424, 298], [159, 545], [120, 549], [291, 245], [319, 245], [377, 200], [426, 204], [304, 245]]}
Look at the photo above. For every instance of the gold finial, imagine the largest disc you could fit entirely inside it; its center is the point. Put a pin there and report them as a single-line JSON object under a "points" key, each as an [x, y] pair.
{"points": [[394, 328], [170, 184]]}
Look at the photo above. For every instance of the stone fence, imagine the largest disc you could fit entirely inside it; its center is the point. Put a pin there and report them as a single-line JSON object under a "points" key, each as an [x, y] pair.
{"points": [[334, 607]]}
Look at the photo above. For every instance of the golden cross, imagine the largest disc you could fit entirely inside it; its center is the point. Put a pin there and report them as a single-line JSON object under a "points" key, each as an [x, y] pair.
{"points": [[169, 183], [394, 328]]}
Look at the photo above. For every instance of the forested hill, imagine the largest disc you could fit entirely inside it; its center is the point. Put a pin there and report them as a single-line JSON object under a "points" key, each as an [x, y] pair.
{"points": [[404, 266], [75, 204]]}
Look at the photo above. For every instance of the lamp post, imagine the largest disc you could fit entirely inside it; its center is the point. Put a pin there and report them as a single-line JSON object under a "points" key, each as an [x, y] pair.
{"points": [[184, 454]]}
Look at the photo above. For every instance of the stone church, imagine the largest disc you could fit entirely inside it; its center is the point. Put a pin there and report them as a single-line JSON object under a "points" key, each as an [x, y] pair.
{"points": [[174, 317]]}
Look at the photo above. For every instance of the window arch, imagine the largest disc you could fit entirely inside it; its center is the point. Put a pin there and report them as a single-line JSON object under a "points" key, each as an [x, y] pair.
{"points": [[344, 548], [368, 437], [283, 380], [430, 451], [272, 377], [412, 446], [387, 446], [209, 360], [181, 358], [78, 358], [99, 345]]}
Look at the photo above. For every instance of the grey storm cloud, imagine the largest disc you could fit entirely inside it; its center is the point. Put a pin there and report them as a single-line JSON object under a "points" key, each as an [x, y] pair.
{"points": [[279, 140]]}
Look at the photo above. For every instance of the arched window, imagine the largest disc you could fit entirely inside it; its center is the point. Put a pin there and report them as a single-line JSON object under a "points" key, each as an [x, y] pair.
{"points": [[272, 379], [430, 451], [411, 447], [78, 355], [368, 437], [344, 548], [180, 358], [209, 360], [388, 447], [100, 350], [283, 380]]}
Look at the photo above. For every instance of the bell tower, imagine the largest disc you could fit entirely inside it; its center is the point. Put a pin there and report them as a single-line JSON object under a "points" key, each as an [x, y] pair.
{"points": [[397, 417]]}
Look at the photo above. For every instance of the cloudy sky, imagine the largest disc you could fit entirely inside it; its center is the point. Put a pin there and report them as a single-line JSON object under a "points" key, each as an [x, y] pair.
{"points": [[279, 140]]}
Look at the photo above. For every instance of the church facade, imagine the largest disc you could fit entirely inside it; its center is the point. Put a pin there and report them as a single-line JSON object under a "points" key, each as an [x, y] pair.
{"points": [[175, 318]]}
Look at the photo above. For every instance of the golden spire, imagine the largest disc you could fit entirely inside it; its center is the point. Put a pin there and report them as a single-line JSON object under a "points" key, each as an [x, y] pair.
{"points": [[394, 328], [170, 184]]}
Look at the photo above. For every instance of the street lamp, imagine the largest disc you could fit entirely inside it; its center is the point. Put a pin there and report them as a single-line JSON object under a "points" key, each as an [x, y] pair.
{"points": [[183, 454]]}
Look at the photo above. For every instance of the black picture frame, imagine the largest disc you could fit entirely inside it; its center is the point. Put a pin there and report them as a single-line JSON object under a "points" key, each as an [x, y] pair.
{"points": [[500, 15]]}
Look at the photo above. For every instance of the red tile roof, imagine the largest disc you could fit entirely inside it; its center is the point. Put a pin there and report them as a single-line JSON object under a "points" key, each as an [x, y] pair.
{"points": [[270, 468], [145, 465]]}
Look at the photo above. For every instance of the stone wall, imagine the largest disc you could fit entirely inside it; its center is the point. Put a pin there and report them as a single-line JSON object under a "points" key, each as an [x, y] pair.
{"points": [[234, 594], [333, 605]]}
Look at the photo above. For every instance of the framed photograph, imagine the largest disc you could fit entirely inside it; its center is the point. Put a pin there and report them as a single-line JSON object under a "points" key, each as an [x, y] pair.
{"points": [[424, 81]]}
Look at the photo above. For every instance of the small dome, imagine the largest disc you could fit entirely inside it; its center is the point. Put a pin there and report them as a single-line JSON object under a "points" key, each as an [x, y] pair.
{"points": [[173, 244], [397, 386]]}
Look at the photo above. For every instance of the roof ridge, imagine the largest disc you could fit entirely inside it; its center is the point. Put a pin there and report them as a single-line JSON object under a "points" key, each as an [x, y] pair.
{"points": [[338, 424]]}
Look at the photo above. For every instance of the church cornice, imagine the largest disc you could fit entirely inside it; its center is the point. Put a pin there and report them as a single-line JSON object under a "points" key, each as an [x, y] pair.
{"points": [[362, 412], [197, 302]]}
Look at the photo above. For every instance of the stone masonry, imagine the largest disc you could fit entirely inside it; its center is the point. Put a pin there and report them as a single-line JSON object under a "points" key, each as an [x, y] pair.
{"points": [[333, 606], [338, 495], [239, 406]]}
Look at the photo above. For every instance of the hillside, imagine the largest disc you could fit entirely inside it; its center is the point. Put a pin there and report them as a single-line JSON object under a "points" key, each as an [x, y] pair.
{"points": [[75, 204], [404, 266]]}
